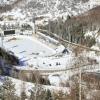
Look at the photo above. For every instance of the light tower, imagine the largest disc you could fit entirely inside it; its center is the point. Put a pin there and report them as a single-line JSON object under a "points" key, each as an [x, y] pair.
{"points": [[2, 38]]}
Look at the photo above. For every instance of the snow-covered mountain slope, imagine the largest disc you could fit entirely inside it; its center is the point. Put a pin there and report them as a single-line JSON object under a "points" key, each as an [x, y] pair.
{"points": [[55, 7], [51, 8], [90, 20]]}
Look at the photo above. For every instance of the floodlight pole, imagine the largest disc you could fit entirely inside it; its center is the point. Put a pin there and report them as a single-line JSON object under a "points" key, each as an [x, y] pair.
{"points": [[2, 38]]}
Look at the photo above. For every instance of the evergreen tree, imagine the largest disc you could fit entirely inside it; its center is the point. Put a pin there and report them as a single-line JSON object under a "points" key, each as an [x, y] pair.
{"points": [[38, 93], [48, 95], [23, 95], [1, 93], [7, 90]]}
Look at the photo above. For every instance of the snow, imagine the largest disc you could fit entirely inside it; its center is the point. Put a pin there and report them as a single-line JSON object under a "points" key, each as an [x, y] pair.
{"points": [[49, 39], [48, 63], [24, 43], [58, 80], [91, 33], [24, 46], [18, 25], [60, 49], [51, 9], [54, 80], [33, 52], [20, 85], [55, 63], [40, 55]]}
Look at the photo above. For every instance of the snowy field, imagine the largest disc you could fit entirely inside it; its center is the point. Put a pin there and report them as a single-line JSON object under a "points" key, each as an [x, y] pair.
{"points": [[36, 54]]}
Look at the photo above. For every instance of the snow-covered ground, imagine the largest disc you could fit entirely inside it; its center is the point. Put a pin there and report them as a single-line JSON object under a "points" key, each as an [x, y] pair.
{"points": [[59, 80], [32, 52], [39, 55]]}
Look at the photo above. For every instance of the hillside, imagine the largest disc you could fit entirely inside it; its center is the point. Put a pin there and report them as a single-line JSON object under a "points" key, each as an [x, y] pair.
{"points": [[48, 8], [49, 49]]}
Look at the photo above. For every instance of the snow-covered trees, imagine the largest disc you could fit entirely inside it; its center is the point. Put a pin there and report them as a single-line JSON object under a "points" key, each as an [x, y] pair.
{"points": [[7, 90], [60, 95], [48, 95], [39, 93]]}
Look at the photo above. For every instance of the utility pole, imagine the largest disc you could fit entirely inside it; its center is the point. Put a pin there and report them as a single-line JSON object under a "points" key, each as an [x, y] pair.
{"points": [[69, 35], [36, 73], [80, 78], [80, 83], [2, 38]]}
